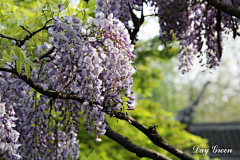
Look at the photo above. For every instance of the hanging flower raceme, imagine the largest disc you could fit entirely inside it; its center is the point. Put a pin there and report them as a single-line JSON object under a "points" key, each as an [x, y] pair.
{"points": [[94, 61], [9, 136], [191, 23], [119, 9]]}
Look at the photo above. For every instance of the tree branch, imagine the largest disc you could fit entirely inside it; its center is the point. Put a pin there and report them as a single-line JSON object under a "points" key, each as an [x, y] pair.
{"points": [[15, 39], [225, 7], [21, 42], [37, 87], [25, 29], [136, 22], [153, 136], [126, 143], [35, 32], [44, 55]]}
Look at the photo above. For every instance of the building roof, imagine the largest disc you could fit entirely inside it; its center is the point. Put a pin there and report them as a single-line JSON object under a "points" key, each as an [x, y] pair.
{"points": [[225, 135], [186, 114]]}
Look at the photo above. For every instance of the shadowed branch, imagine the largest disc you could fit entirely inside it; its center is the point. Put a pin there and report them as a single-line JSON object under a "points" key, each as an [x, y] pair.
{"points": [[139, 150]]}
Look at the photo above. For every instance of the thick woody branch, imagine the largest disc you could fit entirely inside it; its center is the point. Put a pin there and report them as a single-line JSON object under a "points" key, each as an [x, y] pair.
{"points": [[40, 89], [139, 150], [137, 22], [225, 7], [153, 136], [150, 133]]}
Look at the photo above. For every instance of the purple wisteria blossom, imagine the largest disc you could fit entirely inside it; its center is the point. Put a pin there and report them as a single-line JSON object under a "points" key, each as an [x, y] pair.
{"points": [[94, 61], [194, 25], [8, 136]]}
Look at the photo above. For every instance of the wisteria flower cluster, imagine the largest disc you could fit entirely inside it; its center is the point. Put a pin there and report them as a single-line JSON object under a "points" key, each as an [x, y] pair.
{"points": [[39, 136], [191, 23], [8, 135], [93, 60], [120, 9]]}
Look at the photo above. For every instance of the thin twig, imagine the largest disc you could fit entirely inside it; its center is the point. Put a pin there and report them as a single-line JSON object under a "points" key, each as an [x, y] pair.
{"points": [[11, 38], [44, 55], [21, 42], [25, 29]]}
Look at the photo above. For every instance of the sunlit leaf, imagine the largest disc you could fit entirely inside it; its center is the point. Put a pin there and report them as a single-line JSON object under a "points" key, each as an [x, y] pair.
{"points": [[3, 45], [39, 4], [30, 63], [15, 58], [2, 62], [27, 69], [6, 56], [30, 25], [2, 27], [19, 53], [66, 3], [19, 66], [83, 157], [93, 156]]}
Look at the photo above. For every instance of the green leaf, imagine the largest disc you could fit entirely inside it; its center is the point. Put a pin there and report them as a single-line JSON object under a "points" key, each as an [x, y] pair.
{"points": [[93, 156], [21, 16], [185, 48], [88, 7], [36, 14], [30, 25], [65, 4], [6, 56], [69, 11], [83, 157], [19, 22], [19, 66], [8, 51], [6, 5], [15, 58], [1, 5], [19, 53], [27, 69], [55, 2], [30, 63], [2, 62], [6, 16], [2, 28], [3, 45], [45, 5], [1, 54], [39, 4]]}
